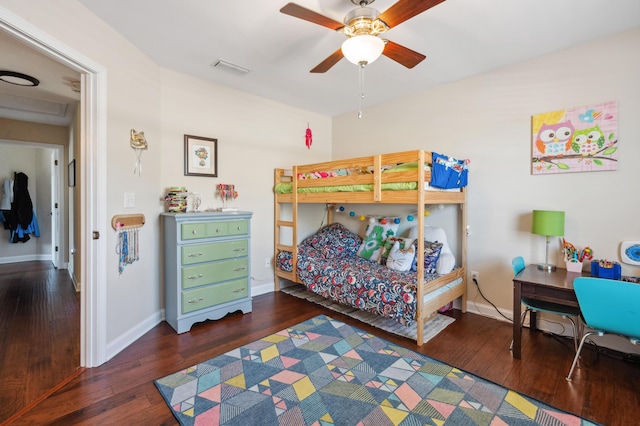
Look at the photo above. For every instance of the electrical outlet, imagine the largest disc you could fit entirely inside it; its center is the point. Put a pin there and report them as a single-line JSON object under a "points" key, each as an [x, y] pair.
{"points": [[475, 275], [267, 262]]}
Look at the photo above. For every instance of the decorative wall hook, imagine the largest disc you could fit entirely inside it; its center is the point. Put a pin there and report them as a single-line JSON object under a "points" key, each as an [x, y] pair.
{"points": [[139, 144]]}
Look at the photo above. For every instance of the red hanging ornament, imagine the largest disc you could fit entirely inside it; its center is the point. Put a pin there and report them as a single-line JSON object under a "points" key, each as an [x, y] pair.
{"points": [[308, 137]]}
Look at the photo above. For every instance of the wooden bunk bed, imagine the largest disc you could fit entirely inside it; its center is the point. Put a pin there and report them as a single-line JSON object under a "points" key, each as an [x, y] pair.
{"points": [[372, 189]]}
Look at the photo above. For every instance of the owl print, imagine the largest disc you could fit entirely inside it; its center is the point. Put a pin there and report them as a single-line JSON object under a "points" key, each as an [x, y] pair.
{"points": [[555, 139], [588, 141]]}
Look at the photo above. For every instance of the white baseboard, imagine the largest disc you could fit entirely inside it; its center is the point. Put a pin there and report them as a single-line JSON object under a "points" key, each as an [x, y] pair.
{"points": [[263, 288], [557, 325], [25, 258], [116, 346]]}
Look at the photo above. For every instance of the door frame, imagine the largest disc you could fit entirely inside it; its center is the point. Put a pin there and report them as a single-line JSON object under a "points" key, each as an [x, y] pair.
{"points": [[57, 197], [92, 180]]}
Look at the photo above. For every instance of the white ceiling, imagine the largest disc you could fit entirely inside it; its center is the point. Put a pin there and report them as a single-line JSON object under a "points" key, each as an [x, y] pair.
{"points": [[51, 102], [460, 38]]}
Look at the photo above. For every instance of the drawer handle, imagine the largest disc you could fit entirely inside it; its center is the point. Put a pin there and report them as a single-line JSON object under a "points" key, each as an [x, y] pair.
{"points": [[195, 300], [239, 269], [238, 249], [238, 229], [195, 277], [217, 230], [194, 232], [194, 255], [238, 290]]}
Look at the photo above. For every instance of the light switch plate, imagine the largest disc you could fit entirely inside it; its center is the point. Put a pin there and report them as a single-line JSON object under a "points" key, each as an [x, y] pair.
{"points": [[129, 199]]}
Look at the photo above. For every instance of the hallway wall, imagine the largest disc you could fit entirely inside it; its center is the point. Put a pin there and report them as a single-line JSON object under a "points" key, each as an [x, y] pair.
{"points": [[28, 160]]}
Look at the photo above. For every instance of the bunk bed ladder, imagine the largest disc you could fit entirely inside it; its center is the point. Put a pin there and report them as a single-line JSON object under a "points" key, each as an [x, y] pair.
{"points": [[279, 224]]}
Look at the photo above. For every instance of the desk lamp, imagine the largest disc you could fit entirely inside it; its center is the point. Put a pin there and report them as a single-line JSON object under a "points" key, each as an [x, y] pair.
{"points": [[550, 224]]}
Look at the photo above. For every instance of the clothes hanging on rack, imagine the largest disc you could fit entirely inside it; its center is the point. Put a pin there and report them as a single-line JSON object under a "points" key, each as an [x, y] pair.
{"points": [[7, 194], [21, 220], [21, 235]]}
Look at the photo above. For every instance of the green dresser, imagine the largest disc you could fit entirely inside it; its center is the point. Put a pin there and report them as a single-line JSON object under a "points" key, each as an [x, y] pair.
{"points": [[207, 264]]}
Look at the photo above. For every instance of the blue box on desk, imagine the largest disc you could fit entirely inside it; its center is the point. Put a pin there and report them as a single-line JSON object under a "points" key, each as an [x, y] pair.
{"points": [[614, 272]]}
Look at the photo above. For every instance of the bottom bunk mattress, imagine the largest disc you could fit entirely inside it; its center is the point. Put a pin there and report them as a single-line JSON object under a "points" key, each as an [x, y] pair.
{"points": [[329, 266]]}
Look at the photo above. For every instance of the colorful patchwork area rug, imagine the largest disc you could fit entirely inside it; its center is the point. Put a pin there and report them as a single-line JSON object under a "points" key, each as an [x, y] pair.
{"points": [[325, 372]]}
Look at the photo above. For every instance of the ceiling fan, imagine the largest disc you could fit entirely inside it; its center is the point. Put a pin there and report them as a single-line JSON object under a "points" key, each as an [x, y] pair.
{"points": [[365, 24]]}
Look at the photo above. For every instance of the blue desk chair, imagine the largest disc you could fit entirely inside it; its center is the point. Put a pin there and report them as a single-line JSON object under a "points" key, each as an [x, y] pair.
{"points": [[608, 306], [530, 305]]}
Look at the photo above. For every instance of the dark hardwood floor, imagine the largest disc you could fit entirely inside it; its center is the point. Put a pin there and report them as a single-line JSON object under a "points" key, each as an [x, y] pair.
{"points": [[39, 332], [605, 389]]}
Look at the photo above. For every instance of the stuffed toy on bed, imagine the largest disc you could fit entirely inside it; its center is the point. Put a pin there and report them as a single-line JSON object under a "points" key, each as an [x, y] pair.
{"points": [[446, 260]]}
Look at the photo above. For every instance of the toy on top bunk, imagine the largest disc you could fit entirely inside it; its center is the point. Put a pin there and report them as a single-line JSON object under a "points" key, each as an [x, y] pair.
{"points": [[449, 172], [446, 172]]}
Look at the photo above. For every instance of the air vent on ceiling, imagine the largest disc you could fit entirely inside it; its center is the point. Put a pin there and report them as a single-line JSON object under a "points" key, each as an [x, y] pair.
{"points": [[222, 64]]}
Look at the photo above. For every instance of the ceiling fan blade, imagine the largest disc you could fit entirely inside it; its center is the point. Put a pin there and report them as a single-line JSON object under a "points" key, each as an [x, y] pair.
{"points": [[325, 65], [296, 11], [402, 55], [406, 9]]}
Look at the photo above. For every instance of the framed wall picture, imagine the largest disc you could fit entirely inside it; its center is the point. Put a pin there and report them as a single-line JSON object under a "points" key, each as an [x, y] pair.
{"points": [[581, 139], [72, 173], [200, 156]]}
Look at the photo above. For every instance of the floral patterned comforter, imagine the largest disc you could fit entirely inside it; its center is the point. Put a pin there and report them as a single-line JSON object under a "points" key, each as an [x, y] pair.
{"points": [[329, 266]]}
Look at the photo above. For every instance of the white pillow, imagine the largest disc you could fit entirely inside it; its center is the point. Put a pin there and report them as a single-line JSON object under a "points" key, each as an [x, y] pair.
{"points": [[447, 260], [401, 259]]}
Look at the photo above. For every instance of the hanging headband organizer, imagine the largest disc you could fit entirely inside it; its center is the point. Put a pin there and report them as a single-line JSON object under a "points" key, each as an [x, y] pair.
{"points": [[127, 221], [127, 226]]}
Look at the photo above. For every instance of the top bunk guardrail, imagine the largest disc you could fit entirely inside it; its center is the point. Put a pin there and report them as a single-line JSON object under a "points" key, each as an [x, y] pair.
{"points": [[385, 178]]}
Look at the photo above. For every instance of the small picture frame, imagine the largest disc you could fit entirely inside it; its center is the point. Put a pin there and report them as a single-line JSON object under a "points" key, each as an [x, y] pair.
{"points": [[200, 156], [72, 173]]}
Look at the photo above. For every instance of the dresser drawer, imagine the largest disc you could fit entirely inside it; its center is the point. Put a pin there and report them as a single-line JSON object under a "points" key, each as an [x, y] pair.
{"points": [[199, 253], [208, 273], [194, 231], [205, 297], [238, 227]]}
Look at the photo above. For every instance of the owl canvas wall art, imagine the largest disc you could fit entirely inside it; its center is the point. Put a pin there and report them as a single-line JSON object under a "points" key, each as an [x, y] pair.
{"points": [[575, 140], [555, 139]]}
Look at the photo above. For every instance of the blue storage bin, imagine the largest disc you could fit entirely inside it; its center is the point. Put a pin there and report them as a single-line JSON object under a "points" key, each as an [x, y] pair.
{"points": [[613, 272]]}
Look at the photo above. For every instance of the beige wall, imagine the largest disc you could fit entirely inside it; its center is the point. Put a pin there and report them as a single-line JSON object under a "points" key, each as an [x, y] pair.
{"points": [[33, 132], [255, 135], [26, 151], [487, 119], [20, 158]]}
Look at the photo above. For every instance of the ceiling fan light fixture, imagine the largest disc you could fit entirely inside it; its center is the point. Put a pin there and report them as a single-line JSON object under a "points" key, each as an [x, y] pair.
{"points": [[18, 79], [362, 49]]}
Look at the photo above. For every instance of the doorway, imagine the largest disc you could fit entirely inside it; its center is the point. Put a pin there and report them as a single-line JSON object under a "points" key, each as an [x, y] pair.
{"points": [[42, 163], [90, 176]]}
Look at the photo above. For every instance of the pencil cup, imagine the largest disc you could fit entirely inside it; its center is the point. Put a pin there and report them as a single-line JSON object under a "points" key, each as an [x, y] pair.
{"points": [[574, 266]]}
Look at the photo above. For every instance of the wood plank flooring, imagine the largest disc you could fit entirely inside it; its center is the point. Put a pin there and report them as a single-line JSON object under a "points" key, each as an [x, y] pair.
{"points": [[605, 389], [39, 332]]}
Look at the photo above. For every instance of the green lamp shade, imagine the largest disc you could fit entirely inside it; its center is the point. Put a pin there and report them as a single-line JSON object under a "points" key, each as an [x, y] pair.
{"points": [[548, 222]]}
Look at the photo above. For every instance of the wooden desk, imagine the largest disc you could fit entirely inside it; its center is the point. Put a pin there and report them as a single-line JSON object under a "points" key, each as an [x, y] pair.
{"points": [[534, 283]]}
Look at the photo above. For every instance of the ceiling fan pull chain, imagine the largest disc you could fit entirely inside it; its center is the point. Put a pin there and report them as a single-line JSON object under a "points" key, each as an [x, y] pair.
{"points": [[360, 87]]}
